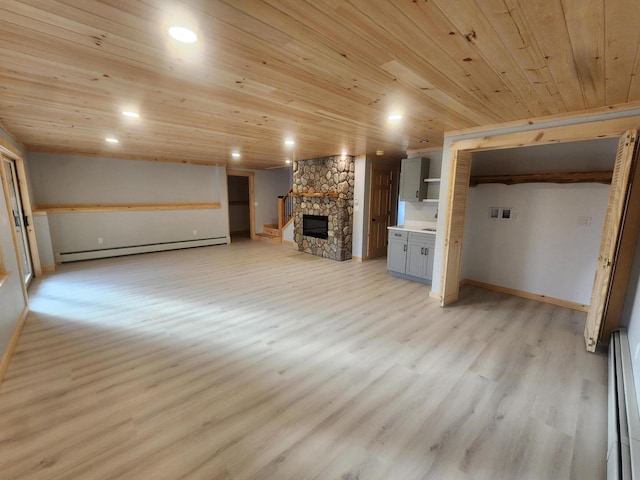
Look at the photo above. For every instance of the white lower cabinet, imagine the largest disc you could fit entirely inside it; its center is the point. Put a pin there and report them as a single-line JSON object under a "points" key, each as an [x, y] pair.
{"points": [[410, 254]]}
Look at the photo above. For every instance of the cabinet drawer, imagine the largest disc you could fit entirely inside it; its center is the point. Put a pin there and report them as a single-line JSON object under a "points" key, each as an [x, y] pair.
{"points": [[422, 238], [398, 235]]}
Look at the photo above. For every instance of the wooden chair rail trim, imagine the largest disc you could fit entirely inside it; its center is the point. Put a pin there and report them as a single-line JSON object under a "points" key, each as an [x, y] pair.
{"points": [[559, 177], [122, 207]]}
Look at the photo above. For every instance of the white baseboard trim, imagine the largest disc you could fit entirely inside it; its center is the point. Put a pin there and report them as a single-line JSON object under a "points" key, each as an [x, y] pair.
{"points": [[132, 250]]}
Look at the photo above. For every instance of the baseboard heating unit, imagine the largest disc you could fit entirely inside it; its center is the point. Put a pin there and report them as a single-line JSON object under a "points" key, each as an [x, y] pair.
{"points": [[135, 249], [623, 446]]}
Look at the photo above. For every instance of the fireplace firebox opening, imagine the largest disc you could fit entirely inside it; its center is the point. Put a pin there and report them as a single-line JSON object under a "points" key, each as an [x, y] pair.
{"points": [[315, 226]]}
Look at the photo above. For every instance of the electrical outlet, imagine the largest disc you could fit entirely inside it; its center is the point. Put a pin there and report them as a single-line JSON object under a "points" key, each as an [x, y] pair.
{"points": [[100, 241], [584, 221]]}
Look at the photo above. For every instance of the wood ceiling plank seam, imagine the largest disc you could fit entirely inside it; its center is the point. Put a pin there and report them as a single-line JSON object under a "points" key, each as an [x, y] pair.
{"points": [[52, 105], [406, 67], [483, 81], [332, 55], [81, 35], [451, 90], [138, 60], [484, 41], [314, 43], [302, 88], [552, 39], [27, 36], [622, 49], [514, 31], [70, 16], [234, 17], [585, 24]]}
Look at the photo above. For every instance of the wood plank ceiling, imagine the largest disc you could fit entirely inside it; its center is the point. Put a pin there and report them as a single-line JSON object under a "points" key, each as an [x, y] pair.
{"points": [[326, 73]]}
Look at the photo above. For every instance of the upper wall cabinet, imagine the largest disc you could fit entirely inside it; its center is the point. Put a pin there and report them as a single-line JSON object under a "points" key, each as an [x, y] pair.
{"points": [[415, 184]]}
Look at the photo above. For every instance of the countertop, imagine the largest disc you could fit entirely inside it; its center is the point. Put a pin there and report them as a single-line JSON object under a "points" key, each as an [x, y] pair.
{"points": [[419, 227]]}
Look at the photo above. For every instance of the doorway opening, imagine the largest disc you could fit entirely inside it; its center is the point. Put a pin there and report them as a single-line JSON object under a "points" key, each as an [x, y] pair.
{"points": [[240, 192], [615, 235]]}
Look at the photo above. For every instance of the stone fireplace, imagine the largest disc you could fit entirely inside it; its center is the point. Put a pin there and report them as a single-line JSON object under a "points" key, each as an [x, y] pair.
{"points": [[324, 187]]}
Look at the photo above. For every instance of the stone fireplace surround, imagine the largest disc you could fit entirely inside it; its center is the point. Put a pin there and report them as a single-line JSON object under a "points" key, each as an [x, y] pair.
{"points": [[325, 186]]}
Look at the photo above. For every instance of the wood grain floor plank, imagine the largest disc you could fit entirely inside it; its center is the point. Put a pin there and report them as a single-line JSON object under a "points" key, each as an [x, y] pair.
{"points": [[253, 361]]}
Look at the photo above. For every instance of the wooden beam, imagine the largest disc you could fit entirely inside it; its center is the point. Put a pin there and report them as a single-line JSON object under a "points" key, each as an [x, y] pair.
{"points": [[556, 177], [567, 133]]}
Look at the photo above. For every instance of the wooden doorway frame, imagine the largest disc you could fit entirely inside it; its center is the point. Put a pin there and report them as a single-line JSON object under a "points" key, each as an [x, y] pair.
{"points": [[459, 183], [26, 205], [252, 204]]}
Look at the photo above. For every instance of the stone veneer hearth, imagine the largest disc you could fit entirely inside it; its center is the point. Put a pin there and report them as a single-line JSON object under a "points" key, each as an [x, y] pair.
{"points": [[324, 186]]}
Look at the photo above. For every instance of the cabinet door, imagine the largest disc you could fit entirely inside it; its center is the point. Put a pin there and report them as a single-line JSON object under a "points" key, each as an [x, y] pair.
{"points": [[416, 260], [412, 175], [429, 249], [397, 255]]}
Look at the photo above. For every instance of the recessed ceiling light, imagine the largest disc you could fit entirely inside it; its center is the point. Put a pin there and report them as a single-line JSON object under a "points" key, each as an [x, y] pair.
{"points": [[424, 141], [111, 140], [287, 161], [379, 152], [289, 142], [235, 154], [183, 34], [131, 114], [394, 117]]}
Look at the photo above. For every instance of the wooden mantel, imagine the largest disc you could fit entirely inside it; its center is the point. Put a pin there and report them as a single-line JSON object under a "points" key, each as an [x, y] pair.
{"points": [[560, 177], [317, 194]]}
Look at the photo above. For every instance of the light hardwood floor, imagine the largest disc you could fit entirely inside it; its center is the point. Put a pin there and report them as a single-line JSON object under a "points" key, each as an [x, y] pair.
{"points": [[253, 361]]}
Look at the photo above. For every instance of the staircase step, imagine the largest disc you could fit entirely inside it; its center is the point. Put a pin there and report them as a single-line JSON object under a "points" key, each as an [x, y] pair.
{"points": [[267, 237], [271, 231]]}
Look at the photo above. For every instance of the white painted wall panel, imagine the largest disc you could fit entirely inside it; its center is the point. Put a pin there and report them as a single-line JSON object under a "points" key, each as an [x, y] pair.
{"points": [[545, 251]]}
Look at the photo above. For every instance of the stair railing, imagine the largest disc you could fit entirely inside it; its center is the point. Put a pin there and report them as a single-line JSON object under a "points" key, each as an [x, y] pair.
{"points": [[285, 208]]}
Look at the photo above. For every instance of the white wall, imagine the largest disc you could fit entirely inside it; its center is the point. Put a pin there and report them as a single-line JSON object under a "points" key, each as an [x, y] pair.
{"points": [[43, 240], [66, 179], [542, 249], [268, 186], [360, 237]]}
